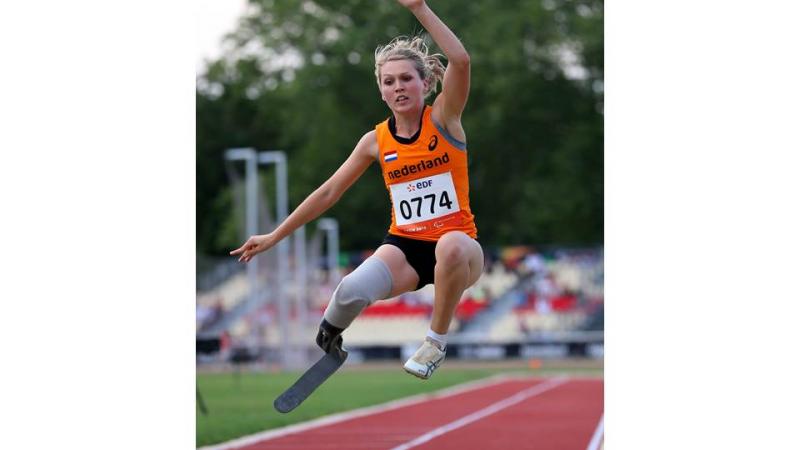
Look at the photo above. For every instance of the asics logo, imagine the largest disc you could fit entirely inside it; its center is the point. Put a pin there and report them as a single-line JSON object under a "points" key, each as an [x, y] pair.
{"points": [[433, 143]]}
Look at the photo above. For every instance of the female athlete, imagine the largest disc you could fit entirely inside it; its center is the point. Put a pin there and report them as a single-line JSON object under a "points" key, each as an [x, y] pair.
{"points": [[422, 152]]}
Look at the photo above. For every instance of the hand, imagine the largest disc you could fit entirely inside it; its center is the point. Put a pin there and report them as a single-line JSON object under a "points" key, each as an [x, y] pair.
{"points": [[411, 4], [255, 245]]}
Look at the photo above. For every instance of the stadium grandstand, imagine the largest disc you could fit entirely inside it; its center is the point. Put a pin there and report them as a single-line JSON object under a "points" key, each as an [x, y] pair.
{"points": [[528, 303]]}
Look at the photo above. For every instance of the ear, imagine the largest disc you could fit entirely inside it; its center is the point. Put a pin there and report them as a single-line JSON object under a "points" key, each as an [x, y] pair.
{"points": [[381, 92]]}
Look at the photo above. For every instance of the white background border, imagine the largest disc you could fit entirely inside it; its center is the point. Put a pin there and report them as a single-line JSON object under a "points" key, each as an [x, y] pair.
{"points": [[701, 224]]}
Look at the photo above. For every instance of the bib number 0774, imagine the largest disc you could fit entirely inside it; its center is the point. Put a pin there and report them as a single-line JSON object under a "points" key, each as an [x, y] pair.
{"points": [[424, 199], [414, 204]]}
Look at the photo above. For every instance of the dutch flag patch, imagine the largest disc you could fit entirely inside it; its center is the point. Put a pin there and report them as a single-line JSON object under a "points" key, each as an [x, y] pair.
{"points": [[390, 156]]}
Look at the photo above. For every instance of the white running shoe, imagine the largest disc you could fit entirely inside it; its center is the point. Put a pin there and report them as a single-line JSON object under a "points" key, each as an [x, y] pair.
{"points": [[427, 358]]}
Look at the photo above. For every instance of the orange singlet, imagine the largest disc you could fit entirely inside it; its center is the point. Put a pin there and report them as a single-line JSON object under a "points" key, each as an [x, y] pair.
{"points": [[426, 176]]}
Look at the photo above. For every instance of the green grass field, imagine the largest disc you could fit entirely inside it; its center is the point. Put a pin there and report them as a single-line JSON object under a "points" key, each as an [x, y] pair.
{"points": [[241, 404]]}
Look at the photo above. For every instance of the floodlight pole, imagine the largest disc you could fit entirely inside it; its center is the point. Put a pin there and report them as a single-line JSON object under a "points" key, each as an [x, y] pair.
{"points": [[331, 227], [301, 275], [281, 184], [248, 155]]}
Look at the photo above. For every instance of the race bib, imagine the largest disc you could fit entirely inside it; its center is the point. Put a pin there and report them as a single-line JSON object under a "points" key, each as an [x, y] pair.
{"points": [[424, 199]]}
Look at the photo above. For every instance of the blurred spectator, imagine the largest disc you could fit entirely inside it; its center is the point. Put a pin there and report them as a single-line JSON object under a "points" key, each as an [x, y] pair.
{"points": [[217, 312], [543, 306], [206, 316], [202, 313], [513, 255], [523, 326], [534, 263]]}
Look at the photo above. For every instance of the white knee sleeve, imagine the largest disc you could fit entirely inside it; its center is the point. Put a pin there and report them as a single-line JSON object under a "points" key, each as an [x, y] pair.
{"points": [[369, 282]]}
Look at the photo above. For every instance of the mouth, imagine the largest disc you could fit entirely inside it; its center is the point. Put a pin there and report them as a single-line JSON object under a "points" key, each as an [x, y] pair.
{"points": [[401, 99]]}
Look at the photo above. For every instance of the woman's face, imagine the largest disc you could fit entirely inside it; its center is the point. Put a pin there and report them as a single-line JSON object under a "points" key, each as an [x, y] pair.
{"points": [[401, 87]]}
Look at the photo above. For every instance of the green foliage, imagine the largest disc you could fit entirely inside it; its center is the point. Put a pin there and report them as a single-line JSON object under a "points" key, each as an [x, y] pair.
{"points": [[301, 79]]}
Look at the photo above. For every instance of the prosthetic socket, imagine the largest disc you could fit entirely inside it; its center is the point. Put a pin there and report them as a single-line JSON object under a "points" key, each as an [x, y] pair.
{"points": [[369, 282]]}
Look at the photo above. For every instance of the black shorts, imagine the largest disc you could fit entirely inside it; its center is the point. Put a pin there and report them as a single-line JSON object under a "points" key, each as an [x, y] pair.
{"points": [[421, 255]]}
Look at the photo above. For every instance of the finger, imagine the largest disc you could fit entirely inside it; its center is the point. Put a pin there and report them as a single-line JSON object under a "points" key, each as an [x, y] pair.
{"points": [[240, 249]]}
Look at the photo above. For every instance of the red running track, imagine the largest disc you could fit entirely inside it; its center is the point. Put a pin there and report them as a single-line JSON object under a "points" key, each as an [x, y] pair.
{"points": [[541, 414]]}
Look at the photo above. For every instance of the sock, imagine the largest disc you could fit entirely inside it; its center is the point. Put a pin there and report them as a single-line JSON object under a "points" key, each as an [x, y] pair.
{"points": [[440, 339]]}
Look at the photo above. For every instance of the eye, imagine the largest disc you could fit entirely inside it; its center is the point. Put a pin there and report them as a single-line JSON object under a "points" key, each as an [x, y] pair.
{"points": [[406, 77], [387, 81]]}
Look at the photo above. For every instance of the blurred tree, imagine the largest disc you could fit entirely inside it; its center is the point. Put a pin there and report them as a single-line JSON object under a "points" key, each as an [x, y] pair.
{"points": [[299, 76]]}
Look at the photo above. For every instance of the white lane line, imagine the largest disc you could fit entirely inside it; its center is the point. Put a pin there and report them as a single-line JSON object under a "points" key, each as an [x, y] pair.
{"points": [[340, 417], [594, 444], [481, 413]]}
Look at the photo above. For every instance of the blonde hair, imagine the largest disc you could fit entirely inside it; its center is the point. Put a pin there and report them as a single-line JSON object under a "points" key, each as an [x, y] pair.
{"points": [[429, 67]]}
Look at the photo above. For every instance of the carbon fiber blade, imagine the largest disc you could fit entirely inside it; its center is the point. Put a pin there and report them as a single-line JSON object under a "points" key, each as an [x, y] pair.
{"points": [[310, 381]]}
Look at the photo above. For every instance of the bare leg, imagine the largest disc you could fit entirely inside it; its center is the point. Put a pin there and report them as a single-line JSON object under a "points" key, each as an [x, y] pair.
{"points": [[459, 264]]}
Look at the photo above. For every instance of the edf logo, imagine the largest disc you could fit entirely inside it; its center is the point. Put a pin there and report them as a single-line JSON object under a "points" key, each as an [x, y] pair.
{"points": [[419, 185]]}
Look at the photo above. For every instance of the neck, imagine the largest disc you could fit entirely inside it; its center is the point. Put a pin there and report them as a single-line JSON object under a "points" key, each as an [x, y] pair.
{"points": [[407, 124]]}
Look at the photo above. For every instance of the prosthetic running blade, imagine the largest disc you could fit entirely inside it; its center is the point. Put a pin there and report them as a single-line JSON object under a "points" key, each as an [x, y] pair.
{"points": [[310, 380]]}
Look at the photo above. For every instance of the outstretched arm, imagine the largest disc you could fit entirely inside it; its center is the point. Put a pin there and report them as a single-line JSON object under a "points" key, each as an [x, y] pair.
{"points": [[319, 201], [455, 86]]}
